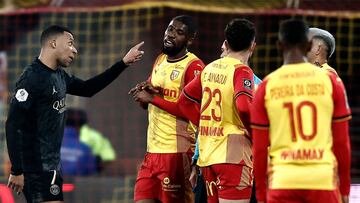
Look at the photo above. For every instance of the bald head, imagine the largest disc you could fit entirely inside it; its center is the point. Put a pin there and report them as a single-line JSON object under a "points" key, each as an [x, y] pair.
{"points": [[325, 36]]}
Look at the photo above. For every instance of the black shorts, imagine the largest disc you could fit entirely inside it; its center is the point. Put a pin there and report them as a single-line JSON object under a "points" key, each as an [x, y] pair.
{"points": [[45, 186]]}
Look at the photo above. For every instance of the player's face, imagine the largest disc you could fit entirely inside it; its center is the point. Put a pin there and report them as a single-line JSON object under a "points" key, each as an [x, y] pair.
{"points": [[175, 38], [66, 50], [311, 55]]}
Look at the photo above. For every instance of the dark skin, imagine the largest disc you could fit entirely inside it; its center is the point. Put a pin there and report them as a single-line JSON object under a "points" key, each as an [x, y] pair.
{"points": [[175, 43], [294, 53], [176, 37]]}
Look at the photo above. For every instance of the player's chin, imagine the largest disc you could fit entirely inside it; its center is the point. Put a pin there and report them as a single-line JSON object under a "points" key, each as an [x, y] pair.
{"points": [[143, 105]]}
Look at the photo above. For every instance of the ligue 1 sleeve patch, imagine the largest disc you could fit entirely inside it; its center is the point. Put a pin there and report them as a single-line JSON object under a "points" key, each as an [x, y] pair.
{"points": [[21, 95], [247, 84]]}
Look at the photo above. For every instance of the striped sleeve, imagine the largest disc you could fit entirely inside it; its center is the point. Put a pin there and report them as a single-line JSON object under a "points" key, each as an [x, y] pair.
{"points": [[243, 81]]}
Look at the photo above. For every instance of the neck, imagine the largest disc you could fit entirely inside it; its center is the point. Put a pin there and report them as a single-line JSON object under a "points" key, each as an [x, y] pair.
{"points": [[179, 55], [46, 59], [243, 56], [293, 56], [320, 61]]}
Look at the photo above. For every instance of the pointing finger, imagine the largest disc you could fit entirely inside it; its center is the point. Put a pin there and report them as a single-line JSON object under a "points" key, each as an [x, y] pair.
{"points": [[139, 45]]}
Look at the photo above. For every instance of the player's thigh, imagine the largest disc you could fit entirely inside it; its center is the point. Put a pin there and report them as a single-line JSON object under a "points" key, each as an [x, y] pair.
{"points": [[284, 196], [174, 174], [234, 181], [210, 181], [147, 185], [43, 187], [328, 196], [233, 201]]}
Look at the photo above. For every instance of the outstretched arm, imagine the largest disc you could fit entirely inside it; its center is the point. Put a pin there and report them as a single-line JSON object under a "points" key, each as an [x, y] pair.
{"points": [[90, 87]]}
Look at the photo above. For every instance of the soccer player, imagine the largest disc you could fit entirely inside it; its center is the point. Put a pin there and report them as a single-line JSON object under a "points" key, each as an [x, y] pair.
{"points": [[224, 90], [35, 123], [164, 173], [323, 47], [299, 120]]}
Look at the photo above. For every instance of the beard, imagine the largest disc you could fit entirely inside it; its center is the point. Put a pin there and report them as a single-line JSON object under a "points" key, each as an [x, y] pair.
{"points": [[172, 51]]}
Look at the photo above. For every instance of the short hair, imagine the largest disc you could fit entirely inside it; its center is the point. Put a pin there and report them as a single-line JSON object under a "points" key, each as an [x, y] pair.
{"points": [[239, 33], [293, 32], [326, 37], [51, 31], [190, 23]]}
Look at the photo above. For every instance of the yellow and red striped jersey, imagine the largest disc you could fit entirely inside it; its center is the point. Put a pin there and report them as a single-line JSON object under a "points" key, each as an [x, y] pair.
{"points": [[222, 135], [167, 133], [296, 104]]}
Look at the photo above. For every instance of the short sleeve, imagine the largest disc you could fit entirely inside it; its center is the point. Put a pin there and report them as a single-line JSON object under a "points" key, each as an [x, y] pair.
{"points": [[194, 69], [243, 81]]}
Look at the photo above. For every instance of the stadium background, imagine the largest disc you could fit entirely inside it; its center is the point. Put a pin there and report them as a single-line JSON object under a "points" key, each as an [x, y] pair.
{"points": [[104, 33]]}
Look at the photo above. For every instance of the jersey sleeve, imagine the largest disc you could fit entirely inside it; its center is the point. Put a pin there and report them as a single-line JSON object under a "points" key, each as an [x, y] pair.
{"points": [[21, 103], [90, 87], [243, 90], [260, 135], [193, 69], [340, 133], [193, 90], [259, 117], [243, 82], [341, 107]]}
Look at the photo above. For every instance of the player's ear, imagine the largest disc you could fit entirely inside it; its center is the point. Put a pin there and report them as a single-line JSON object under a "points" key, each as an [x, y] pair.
{"points": [[227, 46], [190, 41], [53, 44]]}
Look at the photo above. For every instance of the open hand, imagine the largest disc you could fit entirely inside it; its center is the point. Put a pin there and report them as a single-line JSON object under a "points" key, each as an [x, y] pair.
{"points": [[134, 54]]}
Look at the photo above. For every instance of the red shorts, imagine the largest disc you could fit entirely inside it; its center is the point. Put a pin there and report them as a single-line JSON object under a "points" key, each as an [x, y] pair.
{"points": [[299, 196], [227, 181], [164, 177]]}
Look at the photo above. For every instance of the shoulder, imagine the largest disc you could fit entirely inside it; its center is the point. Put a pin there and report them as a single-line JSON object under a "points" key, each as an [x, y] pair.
{"points": [[29, 77], [160, 58]]}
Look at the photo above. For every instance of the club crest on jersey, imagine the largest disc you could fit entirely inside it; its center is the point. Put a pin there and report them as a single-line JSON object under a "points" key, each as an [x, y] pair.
{"points": [[174, 74], [21, 95], [247, 84]]}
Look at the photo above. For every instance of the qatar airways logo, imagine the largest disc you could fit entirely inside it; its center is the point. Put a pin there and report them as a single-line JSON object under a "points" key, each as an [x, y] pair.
{"points": [[59, 105]]}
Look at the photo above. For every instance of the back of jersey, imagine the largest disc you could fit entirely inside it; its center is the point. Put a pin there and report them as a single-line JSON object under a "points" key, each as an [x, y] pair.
{"points": [[299, 104], [222, 135]]}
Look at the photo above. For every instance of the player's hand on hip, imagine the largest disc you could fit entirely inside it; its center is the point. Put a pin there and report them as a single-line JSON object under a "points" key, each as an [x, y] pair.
{"points": [[143, 96], [16, 183], [134, 54]]}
